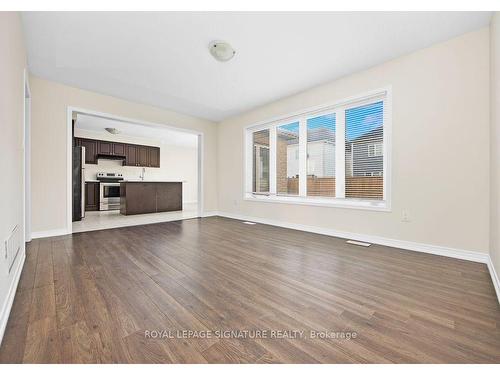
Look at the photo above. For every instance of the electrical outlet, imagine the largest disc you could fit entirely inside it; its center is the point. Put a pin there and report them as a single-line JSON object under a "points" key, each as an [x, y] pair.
{"points": [[235, 202], [405, 216]]}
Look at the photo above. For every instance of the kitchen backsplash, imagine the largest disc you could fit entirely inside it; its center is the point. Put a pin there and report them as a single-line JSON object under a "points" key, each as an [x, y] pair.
{"points": [[129, 173]]}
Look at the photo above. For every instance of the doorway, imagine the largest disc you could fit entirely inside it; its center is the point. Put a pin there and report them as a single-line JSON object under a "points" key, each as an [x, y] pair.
{"points": [[122, 151]]}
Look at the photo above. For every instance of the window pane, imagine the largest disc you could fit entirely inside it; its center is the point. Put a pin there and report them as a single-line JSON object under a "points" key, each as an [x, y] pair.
{"points": [[321, 156], [287, 159], [364, 151], [260, 145]]}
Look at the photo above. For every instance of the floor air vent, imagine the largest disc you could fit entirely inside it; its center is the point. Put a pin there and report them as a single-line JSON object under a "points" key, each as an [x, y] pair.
{"points": [[12, 247], [358, 243]]}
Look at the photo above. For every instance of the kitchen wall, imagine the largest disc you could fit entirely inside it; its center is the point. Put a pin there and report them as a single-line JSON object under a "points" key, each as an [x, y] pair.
{"points": [[440, 154], [176, 163], [50, 101], [12, 65], [495, 144]]}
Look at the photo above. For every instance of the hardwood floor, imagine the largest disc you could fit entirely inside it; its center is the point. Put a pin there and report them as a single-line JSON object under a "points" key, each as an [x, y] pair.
{"points": [[90, 297]]}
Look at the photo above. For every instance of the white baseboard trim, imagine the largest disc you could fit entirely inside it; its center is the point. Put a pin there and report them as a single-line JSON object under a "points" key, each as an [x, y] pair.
{"points": [[7, 306], [473, 256], [210, 213], [494, 278], [50, 233]]}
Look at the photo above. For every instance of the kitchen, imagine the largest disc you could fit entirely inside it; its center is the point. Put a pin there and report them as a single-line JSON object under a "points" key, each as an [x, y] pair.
{"points": [[131, 174]]}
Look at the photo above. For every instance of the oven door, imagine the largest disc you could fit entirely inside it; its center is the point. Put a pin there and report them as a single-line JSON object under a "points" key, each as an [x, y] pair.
{"points": [[109, 196]]}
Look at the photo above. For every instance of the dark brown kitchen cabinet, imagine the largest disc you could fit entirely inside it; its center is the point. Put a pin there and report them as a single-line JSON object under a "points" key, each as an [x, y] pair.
{"points": [[154, 157], [133, 155], [90, 149], [119, 149], [139, 198], [143, 156], [146, 197], [91, 196], [111, 148], [131, 158], [105, 148], [168, 196]]}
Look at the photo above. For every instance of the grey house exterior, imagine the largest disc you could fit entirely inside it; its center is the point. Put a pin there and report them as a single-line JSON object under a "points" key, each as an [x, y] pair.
{"points": [[364, 157]]}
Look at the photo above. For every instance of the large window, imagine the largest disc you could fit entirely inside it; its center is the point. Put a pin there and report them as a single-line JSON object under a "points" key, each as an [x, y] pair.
{"points": [[336, 155]]}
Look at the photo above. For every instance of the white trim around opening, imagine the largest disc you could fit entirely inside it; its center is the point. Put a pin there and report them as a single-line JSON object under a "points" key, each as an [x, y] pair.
{"points": [[27, 159]]}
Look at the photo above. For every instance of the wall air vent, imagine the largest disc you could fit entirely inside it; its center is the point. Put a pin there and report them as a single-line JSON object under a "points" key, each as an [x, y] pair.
{"points": [[12, 247]]}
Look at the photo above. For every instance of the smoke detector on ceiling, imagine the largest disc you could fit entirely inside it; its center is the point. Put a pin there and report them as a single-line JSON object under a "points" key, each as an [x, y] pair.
{"points": [[112, 130], [221, 51]]}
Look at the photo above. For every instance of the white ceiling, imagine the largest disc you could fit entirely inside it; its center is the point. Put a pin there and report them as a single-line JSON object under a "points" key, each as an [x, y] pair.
{"points": [[162, 58], [165, 136]]}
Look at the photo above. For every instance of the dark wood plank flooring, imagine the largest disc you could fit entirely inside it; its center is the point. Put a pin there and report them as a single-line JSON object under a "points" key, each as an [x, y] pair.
{"points": [[90, 297]]}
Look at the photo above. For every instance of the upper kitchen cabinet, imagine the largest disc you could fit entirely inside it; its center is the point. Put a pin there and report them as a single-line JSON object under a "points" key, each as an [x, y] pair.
{"points": [[131, 157], [143, 156], [105, 148], [90, 149], [111, 148], [119, 149], [154, 157], [132, 154]]}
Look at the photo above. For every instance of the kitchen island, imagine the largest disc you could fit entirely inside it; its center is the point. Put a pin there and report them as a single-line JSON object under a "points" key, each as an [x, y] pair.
{"points": [[143, 197]]}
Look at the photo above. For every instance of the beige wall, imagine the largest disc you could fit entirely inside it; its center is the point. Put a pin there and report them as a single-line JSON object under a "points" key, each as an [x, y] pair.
{"points": [[12, 64], [440, 157], [177, 163], [495, 142], [49, 160]]}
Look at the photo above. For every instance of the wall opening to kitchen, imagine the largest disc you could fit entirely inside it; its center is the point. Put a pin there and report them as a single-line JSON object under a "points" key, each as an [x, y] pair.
{"points": [[126, 172]]}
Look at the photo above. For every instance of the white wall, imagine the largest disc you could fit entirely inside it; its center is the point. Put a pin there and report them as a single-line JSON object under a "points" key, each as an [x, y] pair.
{"points": [[440, 156], [50, 101], [12, 65], [495, 142], [176, 163]]}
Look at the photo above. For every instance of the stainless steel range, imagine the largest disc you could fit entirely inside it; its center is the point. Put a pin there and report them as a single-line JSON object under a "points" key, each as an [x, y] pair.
{"points": [[109, 190]]}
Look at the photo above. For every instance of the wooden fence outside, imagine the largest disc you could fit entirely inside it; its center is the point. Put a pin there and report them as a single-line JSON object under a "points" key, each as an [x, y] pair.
{"points": [[370, 187]]}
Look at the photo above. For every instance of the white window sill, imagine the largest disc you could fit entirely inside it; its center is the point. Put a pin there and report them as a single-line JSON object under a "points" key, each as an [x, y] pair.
{"points": [[323, 202]]}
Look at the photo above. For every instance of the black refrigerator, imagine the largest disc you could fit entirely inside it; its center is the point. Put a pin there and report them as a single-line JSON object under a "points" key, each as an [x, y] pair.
{"points": [[78, 183]]}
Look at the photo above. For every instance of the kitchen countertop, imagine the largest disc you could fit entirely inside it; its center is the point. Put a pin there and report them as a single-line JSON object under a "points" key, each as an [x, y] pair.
{"points": [[153, 181], [138, 181]]}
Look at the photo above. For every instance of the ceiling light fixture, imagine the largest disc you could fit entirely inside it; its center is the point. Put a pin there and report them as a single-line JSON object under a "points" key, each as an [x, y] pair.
{"points": [[112, 130], [221, 51]]}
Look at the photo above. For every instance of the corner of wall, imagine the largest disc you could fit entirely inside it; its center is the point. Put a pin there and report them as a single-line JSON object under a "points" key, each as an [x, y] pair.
{"points": [[494, 233]]}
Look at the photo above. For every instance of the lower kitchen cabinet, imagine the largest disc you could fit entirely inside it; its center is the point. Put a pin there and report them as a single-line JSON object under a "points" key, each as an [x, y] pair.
{"points": [[91, 196], [148, 197]]}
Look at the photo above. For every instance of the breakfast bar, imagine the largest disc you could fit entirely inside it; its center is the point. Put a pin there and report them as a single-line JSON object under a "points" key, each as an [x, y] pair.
{"points": [[142, 197]]}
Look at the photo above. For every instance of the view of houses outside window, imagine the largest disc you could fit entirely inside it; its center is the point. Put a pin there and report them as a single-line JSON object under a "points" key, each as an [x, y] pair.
{"points": [[287, 159], [321, 156], [363, 151], [261, 161]]}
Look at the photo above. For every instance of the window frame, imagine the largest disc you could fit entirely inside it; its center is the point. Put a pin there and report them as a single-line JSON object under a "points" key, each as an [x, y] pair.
{"points": [[339, 108], [375, 153]]}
